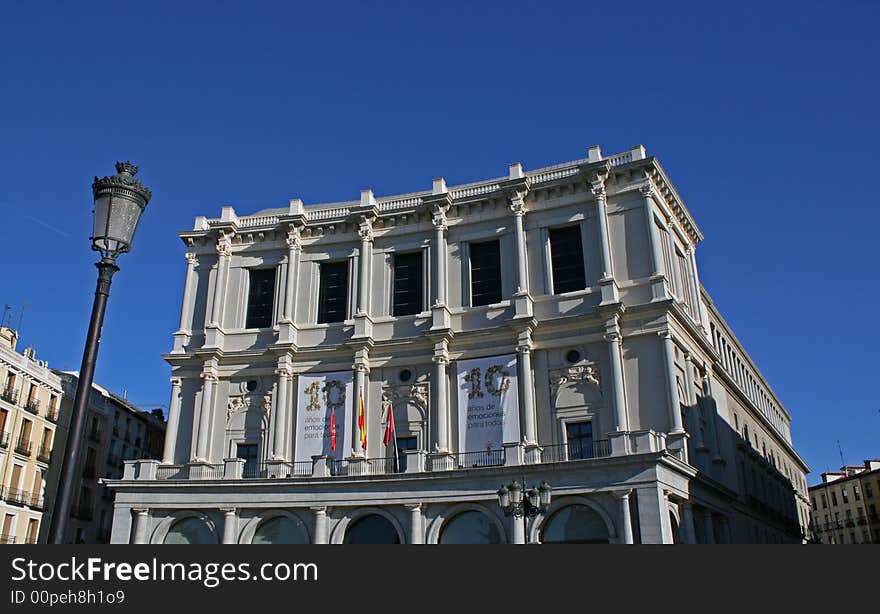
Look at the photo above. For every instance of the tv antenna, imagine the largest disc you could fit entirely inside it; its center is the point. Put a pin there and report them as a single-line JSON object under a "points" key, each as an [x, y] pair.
{"points": [[7, 311]]}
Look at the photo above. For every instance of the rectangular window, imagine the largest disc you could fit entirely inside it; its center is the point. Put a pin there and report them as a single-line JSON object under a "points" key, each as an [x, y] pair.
{"points": [[403, 444], [845, 495], [333, 292], [248, 451], [856, 492], [261, 298], [485, 273], [869, 492], [407, 290], [580, 440], [567, 259], [833, 498]]}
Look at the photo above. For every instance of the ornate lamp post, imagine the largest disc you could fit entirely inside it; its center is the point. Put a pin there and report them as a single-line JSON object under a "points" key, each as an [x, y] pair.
{"points": [[119, 202], [519, 501]]}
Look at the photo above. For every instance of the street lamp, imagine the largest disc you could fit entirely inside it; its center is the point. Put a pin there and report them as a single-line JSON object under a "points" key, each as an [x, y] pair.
{"points": [[520, 501], [119, 202]]}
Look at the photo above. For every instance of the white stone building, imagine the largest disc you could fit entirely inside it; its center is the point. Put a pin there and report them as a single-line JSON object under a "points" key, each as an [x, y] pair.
{"points": [[548, 325]]}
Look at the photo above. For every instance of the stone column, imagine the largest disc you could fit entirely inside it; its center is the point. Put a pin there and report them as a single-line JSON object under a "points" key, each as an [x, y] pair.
{"points": [[517, 205], [604, 239], [440, 226], [708, 527], [527, 387], [173, 421], [224, 255], [654, 521], [322, 534], [294, 247], [693, 406], [208, 379], [687, 530], [653, 238], [279, 448], [188, 290], [140, 531], [360, 376], [517, 530], [620, 418], [626, 530], [365, 256], [416, 533], [230, 524], [671, 384], [440, 385]]}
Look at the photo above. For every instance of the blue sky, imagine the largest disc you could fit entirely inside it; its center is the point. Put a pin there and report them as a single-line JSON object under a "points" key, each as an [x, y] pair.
{"points": [[763, 114]]}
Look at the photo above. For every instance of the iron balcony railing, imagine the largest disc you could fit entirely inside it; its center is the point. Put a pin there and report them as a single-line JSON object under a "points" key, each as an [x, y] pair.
{"points": [[52, 414], [33, 406], [7, 538], [44, 454], [35, 501], [23, 446], [10, 395], [575, 451], [16, 496], [4, 440]]}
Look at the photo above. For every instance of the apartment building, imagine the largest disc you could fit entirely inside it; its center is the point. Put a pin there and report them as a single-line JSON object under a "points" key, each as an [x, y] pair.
{"points": [[846, 505]]}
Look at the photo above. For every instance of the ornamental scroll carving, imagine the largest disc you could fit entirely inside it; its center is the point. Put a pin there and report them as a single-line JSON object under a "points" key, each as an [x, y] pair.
{"points": [[586, 375]]}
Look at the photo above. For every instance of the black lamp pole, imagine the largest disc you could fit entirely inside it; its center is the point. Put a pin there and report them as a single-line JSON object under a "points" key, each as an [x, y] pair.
{"points": [[520, 501], [119, 203]]}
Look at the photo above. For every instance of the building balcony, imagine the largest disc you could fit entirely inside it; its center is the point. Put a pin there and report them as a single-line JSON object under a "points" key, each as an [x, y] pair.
{"points": [[35, 502], [7, 538], [52, 414], [23, 446], [33, 406], [14, 496], [44, 454], [9, 395], [4, 440]]}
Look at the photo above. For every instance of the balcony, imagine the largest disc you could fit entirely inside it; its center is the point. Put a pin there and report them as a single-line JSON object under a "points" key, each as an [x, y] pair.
{"points": [[33, 406], [44, 454], [9, 395], [36, 502], [23, 446], [52, 414], [7, 538], [4, 440], [14, 496]]}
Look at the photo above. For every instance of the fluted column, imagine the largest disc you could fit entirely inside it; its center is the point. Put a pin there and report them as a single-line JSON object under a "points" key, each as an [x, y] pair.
{"points": [[279, 451], [366, 252], [230, 525], [186, 309], [416, 533], [224, 254], [208, 379], [140, 531], [527, 387], [440, 385], [322, 535], [173, 423], [671, 384], [604, 238], [626, 530], [440, 226], [294, 248], [653, 238], [620, 418]]}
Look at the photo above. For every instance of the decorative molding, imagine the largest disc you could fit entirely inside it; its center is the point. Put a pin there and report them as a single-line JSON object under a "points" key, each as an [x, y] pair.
{"points": [[576, 373]]}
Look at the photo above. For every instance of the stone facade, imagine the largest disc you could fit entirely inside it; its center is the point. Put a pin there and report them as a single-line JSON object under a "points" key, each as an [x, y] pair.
{"points": [[30, 401], [686, 440]]}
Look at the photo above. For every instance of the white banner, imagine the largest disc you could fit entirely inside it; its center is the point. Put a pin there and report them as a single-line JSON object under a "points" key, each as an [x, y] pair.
{"points": [[319, 395], [488, 403]]}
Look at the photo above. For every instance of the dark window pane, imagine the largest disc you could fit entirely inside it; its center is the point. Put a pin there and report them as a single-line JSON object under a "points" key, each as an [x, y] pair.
{"points": [[261, 296], [248, 452], [567, 256], [372, 529], [333, 297], [580, 440], [485, 273], [407, 293], [403, 444]]}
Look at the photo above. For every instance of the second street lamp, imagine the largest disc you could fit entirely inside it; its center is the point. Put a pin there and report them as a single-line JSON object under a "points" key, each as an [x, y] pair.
{"points": [[119, 202], [520, 501]]}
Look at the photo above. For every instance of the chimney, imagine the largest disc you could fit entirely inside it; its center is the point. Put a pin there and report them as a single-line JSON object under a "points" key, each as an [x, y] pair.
{"points": [[8, 337]]}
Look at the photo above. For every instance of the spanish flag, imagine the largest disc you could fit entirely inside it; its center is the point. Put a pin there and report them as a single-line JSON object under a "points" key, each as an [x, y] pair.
{"points": [[362, 421]]}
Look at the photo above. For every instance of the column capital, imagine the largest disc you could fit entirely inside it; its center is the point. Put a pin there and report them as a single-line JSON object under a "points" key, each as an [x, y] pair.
{"points": [[224, 245], [440, 359], [229, 511], [413, 507], [647, 190], [191, 258], [516, 201], [319, 509], [598, 190], [293, 241], [613, 335], [283, 371], [176, 381], [209, 376], [140, 511], [365, 229], [438, 219], [622, 494]]}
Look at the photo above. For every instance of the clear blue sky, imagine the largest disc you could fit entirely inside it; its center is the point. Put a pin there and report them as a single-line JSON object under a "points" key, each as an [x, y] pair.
{"points": [[765, 117]]}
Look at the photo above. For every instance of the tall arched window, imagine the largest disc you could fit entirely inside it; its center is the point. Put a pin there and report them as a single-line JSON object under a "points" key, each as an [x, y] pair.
{"points": [[281, 530], [372, 529], [575, 524], [470, 527], [190, 531]]}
